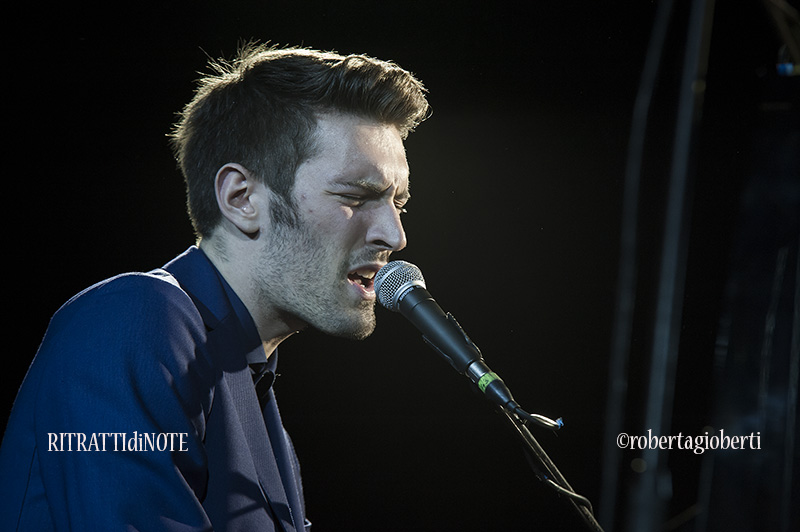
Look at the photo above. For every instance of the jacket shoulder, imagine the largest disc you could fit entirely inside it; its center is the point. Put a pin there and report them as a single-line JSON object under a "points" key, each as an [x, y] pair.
{"points": [[133, 321]]}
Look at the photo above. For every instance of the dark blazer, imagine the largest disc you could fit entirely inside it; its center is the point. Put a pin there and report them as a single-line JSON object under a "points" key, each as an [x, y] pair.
{"points": [[123, 363]]}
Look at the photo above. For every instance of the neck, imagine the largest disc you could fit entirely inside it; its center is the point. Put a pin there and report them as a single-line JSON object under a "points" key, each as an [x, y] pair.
{"points": [[234, 267]]}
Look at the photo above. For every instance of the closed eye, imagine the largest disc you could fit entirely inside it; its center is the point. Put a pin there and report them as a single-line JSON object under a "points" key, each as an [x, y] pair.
{"points": [[353, 200], [357, 194]]}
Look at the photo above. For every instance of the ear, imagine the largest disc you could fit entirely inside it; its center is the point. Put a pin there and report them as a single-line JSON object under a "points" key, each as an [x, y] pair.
{"points": [[236, 191]]}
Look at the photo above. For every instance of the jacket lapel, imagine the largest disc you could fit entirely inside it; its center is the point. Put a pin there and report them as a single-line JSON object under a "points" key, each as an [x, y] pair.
{"points": [[243, 393], [225, 344]]}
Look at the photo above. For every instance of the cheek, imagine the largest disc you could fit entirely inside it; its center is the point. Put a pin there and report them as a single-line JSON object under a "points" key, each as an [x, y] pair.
{"points": [[342, 225]]}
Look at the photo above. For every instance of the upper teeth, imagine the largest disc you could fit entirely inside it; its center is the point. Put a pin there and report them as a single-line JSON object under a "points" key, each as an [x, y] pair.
{"points": [[366, 274]]}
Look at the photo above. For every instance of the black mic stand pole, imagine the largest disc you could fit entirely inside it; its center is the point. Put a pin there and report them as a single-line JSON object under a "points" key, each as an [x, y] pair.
{"points": [[546, 470]]}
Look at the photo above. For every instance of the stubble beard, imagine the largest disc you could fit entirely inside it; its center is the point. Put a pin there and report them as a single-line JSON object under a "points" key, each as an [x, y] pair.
{"points": [[307, 282]]}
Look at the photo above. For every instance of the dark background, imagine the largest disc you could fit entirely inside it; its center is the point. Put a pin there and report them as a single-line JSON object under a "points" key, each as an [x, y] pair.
{"points": [[518, 181]]}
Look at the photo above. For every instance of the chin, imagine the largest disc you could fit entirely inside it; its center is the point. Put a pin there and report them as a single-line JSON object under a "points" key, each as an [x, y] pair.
{"points": [[356, 328], [356, 333]]}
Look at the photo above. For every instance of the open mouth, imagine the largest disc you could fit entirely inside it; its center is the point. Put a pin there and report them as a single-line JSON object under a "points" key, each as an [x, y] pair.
{"points": [[362, 277]]}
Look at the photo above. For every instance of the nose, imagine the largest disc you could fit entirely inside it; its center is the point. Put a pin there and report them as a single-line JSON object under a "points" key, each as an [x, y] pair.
{"points": [[386, 229]]}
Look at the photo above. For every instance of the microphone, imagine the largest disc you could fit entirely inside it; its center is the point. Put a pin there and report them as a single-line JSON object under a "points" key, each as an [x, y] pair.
{"points": [[400, 287]]}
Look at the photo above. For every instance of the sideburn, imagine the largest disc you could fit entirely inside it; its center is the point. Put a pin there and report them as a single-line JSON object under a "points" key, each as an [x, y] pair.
{"points": [[283, 211]]}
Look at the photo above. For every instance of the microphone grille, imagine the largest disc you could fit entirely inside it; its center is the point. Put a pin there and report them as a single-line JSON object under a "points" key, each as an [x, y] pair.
{"points": [[394, 280]]}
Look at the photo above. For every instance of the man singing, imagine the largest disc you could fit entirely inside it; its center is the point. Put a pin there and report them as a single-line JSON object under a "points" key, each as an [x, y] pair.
{"points": [[296, 177]]}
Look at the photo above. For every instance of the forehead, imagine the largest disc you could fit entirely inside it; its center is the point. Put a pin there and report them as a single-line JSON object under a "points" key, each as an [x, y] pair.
{"points": [[353, 149]]}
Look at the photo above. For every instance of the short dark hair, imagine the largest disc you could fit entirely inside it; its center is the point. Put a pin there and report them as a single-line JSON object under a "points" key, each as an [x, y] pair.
{"points": [[259, 110]]}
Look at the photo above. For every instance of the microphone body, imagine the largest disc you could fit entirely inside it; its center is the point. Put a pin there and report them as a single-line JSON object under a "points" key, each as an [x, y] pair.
{"points": [[408, 295]]}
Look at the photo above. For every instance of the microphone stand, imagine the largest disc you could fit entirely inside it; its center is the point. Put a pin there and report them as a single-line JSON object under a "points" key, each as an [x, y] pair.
{"points": [[546, 470], [400, 287]]}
